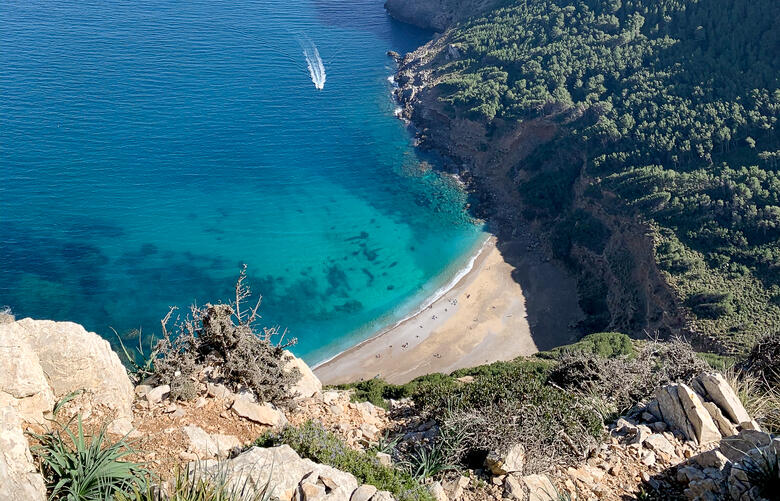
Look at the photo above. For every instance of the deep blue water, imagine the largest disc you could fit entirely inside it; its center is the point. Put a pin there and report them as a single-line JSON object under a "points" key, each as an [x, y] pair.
{"points": [[148, 148]]}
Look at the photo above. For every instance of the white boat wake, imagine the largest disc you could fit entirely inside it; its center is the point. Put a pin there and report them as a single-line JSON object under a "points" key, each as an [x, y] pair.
{"points": [[314, 63]]}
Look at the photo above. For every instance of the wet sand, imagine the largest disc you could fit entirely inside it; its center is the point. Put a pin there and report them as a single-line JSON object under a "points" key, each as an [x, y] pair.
{"points": [[481, 319]]}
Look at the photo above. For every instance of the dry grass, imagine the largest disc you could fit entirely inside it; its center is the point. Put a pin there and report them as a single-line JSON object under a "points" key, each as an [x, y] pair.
{"points": [[761, 400]]}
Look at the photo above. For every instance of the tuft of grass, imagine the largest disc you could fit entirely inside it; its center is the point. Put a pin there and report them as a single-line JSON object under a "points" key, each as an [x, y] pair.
{"points": [[78, 467], [191, 484], [312, 441], [761, 401], [139, 360]]}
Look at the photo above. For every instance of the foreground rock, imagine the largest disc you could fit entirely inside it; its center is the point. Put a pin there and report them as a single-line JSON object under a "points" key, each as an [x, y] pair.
{"points": [[290, 477], [308, 385], [43, 361], [704, 412], [19, 479]]}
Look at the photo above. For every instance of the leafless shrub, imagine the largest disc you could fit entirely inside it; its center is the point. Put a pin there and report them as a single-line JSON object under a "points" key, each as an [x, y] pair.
{"points": [[624, 381], [223, 337], [549, 434], [764, 360]]}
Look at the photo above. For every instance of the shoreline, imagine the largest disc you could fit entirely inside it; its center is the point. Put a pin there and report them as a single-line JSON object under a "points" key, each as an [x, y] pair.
{"points": [[481, 318], [420, 306]]}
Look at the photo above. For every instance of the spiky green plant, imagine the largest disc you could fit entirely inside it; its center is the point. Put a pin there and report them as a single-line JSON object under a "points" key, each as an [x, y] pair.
{"points": [[762, 468], [79, 467], [192, 484], [140, 360], [427, 460]]}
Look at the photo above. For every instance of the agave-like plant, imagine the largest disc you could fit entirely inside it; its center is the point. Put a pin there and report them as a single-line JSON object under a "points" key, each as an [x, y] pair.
{"points": [[79, 467], [427, 460], [139, 370]]}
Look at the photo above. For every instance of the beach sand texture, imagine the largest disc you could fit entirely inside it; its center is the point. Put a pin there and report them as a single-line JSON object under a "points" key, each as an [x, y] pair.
{"points": [[481, 319]]}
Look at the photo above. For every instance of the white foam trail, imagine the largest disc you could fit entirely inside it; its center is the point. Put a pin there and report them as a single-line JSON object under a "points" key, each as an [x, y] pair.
{"points": [[314, 63]]}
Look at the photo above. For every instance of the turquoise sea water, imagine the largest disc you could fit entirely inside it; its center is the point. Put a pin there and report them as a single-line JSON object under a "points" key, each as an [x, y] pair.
{"points": [[149, 148]]}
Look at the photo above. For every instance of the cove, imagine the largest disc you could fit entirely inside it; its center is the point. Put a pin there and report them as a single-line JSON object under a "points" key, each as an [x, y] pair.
{"points": [[148, 149]]}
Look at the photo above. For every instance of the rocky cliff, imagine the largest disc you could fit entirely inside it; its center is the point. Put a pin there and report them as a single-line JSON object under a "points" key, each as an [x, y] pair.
{"points": [[620, 285]]}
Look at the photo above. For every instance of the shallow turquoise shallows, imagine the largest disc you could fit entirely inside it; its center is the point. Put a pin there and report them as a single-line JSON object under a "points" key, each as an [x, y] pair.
{"points": [[148, 148]]}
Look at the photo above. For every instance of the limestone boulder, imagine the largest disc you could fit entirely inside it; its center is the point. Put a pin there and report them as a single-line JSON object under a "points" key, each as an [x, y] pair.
{"points": [[510, 462], [735, 448], [382, 496], [265, 414], [660, 443], [744, 484], [19, 479], [720, 391], [363, 493], [289, 476], [540, 488], [205, 445], [73, 359], [672, 411], [309, 384], [437, 491], [704, 428], [23, 384], [725, 427]]}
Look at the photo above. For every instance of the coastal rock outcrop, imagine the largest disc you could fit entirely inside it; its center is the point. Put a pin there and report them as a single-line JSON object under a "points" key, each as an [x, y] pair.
{"points": [[704, 412], [43, 361], [19, 479]]}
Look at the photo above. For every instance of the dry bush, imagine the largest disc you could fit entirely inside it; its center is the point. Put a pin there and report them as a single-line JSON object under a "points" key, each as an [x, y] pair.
{"points": [[223, 338], [764, 360], [624, 381], [555, 434]]}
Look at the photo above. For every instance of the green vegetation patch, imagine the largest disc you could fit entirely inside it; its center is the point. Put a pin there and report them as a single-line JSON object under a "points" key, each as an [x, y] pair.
{"points": [[312, 441], [674, 108], [603, 344]]}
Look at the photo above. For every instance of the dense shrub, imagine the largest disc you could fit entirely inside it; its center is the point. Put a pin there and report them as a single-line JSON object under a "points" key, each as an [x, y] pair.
{"points": [[603, 344], [668, 111], [223, 337], [378, 392], [312, 441], [624, 381], [508, 403]]}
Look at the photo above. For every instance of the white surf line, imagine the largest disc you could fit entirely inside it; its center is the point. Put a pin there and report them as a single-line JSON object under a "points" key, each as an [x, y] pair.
{"points": [[429, 300]]}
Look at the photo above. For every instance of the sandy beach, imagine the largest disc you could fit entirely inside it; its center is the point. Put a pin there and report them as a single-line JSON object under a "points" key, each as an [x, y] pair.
{"points": [[481, 319]]}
